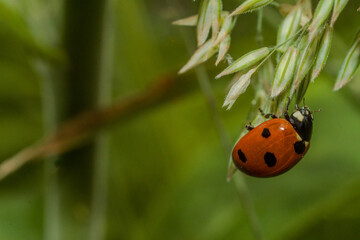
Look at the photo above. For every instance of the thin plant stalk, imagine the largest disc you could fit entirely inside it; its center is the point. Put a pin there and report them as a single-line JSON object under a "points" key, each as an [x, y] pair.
{"points": [[97, 229], [83, 31], [248, 205], [259, 27], [240, 183], [206, 88], [51, 228]]}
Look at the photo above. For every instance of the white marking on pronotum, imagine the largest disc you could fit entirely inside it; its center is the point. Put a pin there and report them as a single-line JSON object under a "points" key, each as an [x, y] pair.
{"points": [[298, 137], [299, 116]]}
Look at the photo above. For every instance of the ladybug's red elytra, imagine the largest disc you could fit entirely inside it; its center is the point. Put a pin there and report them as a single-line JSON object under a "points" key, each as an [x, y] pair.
{"points": [[276, 145]]}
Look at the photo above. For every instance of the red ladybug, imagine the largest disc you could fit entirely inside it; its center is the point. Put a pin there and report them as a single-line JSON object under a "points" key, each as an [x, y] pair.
{"points": [[276, 145]]}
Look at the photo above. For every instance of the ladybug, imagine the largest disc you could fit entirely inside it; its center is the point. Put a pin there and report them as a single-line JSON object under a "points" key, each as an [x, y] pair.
{"points": [[276, 145]]}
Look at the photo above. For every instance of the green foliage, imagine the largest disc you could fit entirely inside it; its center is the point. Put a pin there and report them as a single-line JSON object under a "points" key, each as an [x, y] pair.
{"points": [[167, 170]]}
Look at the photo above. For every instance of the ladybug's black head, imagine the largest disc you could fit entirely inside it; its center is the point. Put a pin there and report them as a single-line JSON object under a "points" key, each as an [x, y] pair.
{"points": [[302, 120]]}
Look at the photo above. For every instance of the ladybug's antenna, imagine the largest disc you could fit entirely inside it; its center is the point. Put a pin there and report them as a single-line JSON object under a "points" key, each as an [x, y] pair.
{"points": [[319, 110], [304, 102]]}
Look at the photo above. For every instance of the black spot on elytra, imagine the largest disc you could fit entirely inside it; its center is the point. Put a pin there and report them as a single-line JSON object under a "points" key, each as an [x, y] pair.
{"points": [[299, 147], [266, 133], [270, 159], [242, 156]]}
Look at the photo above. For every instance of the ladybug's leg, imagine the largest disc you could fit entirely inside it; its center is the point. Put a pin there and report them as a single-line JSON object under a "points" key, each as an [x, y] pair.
{"points": [[249, 127], [267, 115], [286, 112], [286, 115]]}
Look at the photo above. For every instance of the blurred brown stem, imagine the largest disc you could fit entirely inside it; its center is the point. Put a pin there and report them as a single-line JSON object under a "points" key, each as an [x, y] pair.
{"points": [[78, 130]]}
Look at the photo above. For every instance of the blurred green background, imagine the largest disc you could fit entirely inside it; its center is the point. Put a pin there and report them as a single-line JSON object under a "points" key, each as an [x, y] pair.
{"points": [[162, 174]]}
